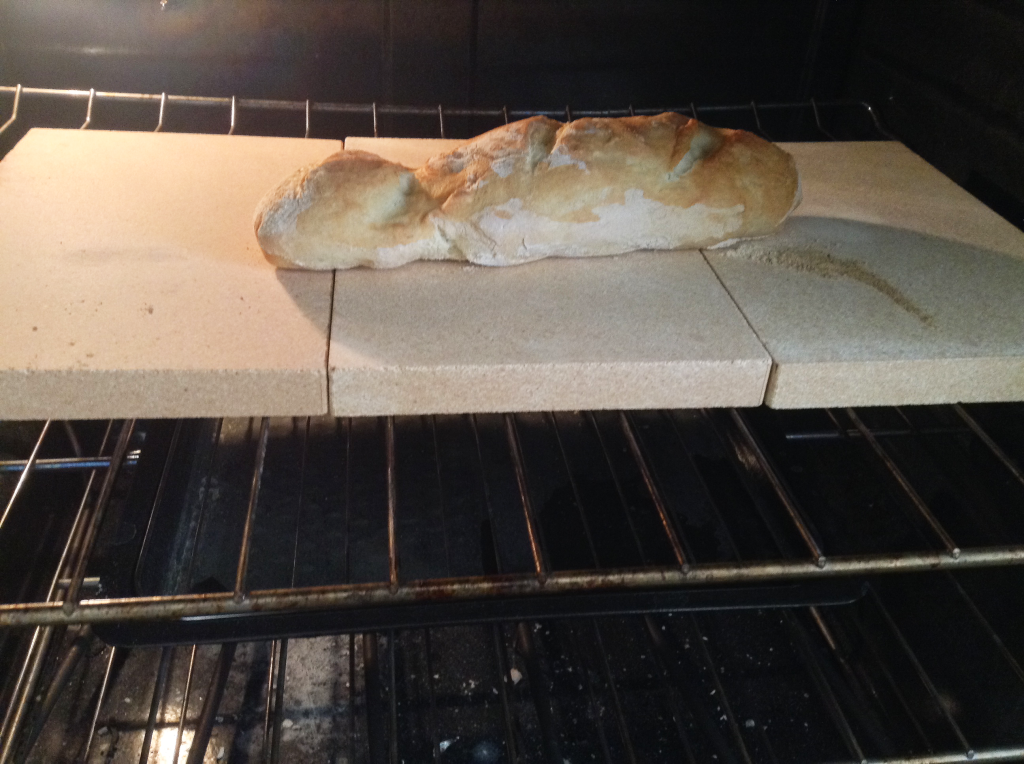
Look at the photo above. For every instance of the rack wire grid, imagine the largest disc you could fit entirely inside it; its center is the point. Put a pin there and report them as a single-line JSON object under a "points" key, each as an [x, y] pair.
{"points": [[924, 667], [830, 119], [505, 513], [385, 517]]}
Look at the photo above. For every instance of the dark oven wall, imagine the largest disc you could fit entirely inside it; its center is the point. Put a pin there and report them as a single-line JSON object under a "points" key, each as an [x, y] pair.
{"points": [[526, 53], [947, 75]]}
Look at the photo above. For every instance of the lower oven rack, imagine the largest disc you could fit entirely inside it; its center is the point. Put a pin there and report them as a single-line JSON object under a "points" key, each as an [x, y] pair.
{"points": [[860, 682]]}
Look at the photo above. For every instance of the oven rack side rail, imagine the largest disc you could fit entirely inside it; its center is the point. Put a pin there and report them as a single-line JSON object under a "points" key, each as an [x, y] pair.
{"points": [[233, 105], [72, 598]]}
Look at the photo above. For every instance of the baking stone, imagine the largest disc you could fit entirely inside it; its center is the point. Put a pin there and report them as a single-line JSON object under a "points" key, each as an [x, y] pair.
{"points": [[411, 152], [889, 286], [131, 283], [646, 330]]}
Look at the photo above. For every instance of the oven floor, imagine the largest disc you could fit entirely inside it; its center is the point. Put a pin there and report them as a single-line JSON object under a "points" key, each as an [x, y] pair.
{"points": [[923, 664]]}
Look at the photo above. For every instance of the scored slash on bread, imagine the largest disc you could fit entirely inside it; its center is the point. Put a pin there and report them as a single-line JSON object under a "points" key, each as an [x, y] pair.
{"points": [[533, 189]]}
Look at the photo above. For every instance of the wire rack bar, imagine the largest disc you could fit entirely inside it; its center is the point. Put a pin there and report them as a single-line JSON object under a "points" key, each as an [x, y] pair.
{"points": [[254, 496], [355, 595], [77, 574], [392, 701], [69, 663], [156, 701], [594, 707], [1009, 753], [160, 116], [905, 484], [982, 621], [922, 674], [992, 446], [25, 474], [781, 489], [375, 109], [88, 110], [757, 120], [734, 729], [375, 731], [873, 649], [623, 503], [611, 684], [440, 494], [672, 684], [29, 674], [282, 673], [727, 534], [817, 121], [214, 694], [183, 710], [814, 669], [540, 691], [14, 110], [392, 485], [102, 696], [268, 709], [431, 710], [501, 664], [536, 548], [585, 523], [652, 489]]}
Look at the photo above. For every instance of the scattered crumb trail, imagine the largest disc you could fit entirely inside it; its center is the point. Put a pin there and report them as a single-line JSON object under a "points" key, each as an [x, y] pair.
{"points": [[822, 263]]}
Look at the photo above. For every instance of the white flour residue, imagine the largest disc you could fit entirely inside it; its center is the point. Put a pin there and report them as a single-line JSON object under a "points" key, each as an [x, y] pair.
{"points": [[562, 158], [513, 234], [504, 166]]}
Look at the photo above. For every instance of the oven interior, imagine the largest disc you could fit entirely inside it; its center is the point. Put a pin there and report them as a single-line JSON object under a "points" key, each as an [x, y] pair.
{"points": [[636, 586]]}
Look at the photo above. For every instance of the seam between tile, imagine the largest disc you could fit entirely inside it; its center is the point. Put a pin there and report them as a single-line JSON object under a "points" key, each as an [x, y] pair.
{"points": [[773, 366]]}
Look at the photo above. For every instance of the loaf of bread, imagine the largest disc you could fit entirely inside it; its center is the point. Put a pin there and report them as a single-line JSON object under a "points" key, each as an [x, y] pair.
{"points": [[532, 189]]}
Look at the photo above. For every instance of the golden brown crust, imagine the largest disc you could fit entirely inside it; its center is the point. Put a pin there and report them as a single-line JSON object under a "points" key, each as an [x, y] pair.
{"points": [[595, 161], [537, 188], [342, 211], [516, 147]]}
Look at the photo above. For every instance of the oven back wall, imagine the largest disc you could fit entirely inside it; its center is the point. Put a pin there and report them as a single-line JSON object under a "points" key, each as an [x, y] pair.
{"points": [[948, 77], [534, 53]]}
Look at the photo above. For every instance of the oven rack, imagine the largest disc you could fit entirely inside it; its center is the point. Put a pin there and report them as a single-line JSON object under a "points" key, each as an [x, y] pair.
{"points": [[839, 648], [675, 558], [560, 689], [751, 115]]}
